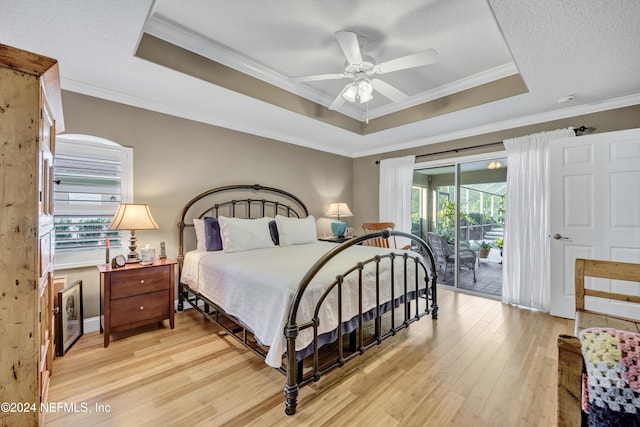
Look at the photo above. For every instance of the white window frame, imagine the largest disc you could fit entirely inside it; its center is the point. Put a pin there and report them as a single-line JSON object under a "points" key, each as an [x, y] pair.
{"points": [[99, 148]]}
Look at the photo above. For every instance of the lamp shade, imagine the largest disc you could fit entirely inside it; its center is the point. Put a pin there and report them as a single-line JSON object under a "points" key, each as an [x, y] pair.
{"points": [[130, 216], [365, 91], [350, 93], [338, 210]]}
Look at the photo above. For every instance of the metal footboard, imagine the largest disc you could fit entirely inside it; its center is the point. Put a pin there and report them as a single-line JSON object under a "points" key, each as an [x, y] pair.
{"points": [[410, 299]]}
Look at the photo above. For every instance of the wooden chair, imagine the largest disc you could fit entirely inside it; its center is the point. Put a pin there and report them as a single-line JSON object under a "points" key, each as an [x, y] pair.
{"points": [[372, 227], [570, 363]]}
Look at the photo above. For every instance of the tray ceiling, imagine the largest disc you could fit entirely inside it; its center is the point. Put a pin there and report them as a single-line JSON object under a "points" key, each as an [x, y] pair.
{"points": [[501, 64]]}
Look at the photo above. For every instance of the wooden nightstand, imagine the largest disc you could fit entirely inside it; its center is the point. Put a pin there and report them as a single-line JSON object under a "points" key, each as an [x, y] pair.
{"points": [[135, 295]]}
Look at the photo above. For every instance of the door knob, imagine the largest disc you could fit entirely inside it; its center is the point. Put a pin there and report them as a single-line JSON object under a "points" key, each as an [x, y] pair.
{"points": [[560, 237]]}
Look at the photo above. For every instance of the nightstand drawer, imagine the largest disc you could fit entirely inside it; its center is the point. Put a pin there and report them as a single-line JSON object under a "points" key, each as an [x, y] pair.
{"points": [[137, 282], [130, 310]]}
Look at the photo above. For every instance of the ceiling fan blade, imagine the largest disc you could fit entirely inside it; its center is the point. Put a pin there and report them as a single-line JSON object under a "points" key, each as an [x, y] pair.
{"points": [[339, 101], [348, 42], [316, 77], [389, 91], [419, 59]]}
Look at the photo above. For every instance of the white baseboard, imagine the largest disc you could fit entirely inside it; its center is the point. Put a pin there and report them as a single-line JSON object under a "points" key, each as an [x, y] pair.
{"points": [[91, 324]]}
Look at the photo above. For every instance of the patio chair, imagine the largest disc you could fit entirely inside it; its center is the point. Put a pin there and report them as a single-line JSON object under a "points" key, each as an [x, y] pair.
{"points": [[445, 254]]}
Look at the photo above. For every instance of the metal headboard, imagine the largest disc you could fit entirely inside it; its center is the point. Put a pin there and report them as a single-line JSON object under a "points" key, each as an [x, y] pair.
{"points": [[256, 206]]}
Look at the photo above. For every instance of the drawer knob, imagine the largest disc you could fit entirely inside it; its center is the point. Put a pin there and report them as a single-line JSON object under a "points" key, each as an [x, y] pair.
{"points": [[142, 307], [141, 281]]}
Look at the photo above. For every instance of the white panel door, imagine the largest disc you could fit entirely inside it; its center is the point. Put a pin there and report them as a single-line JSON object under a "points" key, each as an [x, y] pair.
{"points": [[595, 213]]}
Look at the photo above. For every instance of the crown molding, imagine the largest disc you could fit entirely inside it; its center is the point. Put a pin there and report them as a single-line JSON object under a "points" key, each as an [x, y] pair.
{"points": [[611, 104], [90, 90], [469, 82], [119, 97]]}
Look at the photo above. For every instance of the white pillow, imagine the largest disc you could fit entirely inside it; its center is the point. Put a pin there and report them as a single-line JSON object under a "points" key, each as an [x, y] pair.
{"points": [[240, 234], [198, 224], [296, 231]]}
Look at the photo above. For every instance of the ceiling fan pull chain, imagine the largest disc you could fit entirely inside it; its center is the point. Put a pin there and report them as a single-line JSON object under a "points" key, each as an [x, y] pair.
{"points": [[367, 117]]}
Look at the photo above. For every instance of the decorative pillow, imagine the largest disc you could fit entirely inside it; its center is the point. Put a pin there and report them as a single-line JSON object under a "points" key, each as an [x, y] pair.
{"points": [[198, 224], [296, 231], [239, 234], [273, 229], [212, 237]]}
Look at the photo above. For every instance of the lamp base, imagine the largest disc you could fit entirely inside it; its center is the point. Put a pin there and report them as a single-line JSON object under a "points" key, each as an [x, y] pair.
{"points": [[338, 228], [132, 258]]}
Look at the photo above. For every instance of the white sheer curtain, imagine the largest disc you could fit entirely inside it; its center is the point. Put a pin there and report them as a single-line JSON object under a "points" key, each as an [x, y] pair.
{"points": [[525, 274], [396, 180]]}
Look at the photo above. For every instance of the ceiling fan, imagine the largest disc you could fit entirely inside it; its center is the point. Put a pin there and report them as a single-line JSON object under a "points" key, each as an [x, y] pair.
{"points": [[361, 69]]}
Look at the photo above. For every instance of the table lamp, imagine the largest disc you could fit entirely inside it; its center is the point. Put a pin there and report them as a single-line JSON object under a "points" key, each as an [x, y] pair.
{"points": [[132, 217], [337, 210]]}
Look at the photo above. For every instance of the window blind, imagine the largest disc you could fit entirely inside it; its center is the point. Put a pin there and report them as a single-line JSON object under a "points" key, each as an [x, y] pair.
{"points": [[87, 194]]}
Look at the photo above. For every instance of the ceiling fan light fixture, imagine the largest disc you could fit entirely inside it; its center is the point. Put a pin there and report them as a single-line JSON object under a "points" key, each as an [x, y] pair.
{"points": [[361, 69], [365, 91], [366, 98], [364, 88], [350, 93]]}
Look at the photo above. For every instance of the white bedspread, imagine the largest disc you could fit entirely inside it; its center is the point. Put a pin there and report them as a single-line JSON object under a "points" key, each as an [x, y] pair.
{"points": [[257, 287]]}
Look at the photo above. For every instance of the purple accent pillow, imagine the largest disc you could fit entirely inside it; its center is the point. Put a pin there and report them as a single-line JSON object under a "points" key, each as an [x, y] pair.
{"points": [[212, 237], [273, 229]]}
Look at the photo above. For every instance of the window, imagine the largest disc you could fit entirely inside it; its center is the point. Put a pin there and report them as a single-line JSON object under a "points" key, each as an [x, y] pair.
{"points": [[93, 176]]}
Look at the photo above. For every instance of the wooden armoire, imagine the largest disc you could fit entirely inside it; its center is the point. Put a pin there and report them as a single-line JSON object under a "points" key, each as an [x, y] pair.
{"points": [[30, 116]]}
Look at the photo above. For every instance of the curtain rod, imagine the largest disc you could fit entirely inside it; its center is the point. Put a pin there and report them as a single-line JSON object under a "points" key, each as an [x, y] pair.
{"points": [[456, 150]]}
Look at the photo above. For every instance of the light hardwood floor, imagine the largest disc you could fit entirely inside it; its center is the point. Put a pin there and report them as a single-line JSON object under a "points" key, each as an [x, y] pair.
{"points": [[481, 363]]}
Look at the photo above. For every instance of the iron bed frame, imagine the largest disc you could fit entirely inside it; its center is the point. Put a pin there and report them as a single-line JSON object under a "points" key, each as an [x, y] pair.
{"points": [[291, 206]]}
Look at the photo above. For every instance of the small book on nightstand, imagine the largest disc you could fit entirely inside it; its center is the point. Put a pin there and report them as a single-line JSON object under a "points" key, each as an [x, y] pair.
{"points": [[334, 239]]}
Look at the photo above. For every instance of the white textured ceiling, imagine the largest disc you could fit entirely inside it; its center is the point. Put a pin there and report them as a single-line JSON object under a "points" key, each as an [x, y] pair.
{"points": [[586, 48], [276, 40]]}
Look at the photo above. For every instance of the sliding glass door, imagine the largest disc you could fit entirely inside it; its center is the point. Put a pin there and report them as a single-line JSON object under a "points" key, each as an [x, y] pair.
{"points": [[459, 210]]}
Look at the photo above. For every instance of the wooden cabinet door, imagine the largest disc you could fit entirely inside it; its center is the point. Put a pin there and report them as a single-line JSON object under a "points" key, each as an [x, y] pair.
{"points": [[46, 314]]}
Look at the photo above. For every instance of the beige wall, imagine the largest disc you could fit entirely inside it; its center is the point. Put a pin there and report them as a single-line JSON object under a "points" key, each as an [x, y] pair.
{"points": [[176, 159], [366, 171]]}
